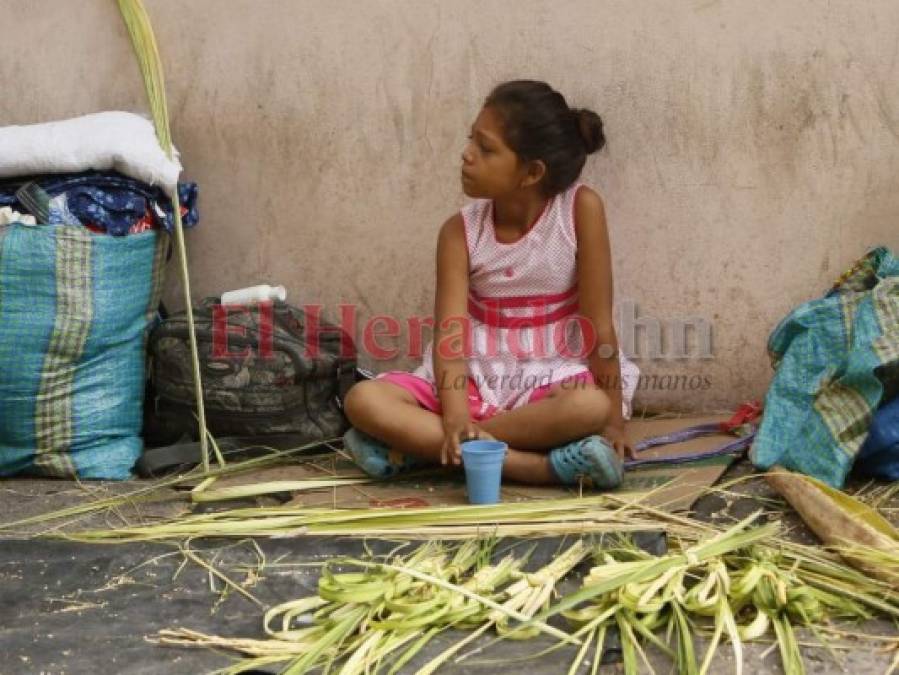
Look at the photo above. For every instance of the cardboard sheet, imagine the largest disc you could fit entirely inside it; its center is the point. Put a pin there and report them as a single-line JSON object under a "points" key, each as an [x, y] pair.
{"points": [[671, 487]]}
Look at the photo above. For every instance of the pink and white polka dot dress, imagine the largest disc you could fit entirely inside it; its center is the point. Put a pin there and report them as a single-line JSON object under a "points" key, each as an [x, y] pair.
{"points": [[525, 331]]}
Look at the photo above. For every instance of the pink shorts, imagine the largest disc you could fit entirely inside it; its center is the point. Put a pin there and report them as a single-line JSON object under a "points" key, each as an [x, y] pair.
{"points": [[426, 393]]}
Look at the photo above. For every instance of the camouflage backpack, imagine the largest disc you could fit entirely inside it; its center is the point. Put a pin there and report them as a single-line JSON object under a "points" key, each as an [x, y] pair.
{"points": [[259, 375]]}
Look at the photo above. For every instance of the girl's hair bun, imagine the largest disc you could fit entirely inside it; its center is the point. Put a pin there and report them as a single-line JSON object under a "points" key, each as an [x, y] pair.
{"points": [[589, 126]]}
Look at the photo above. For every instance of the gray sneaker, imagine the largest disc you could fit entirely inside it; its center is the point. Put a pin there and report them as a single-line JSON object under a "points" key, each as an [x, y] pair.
{"points": [[374, 458], [591, 458]]}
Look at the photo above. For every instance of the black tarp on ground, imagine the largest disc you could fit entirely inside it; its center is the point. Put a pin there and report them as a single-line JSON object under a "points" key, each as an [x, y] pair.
{"points": [[77, 608]]}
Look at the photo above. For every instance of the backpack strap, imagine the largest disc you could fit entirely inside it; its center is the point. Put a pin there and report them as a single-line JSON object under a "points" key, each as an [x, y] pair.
{"points": [[156, 461]]}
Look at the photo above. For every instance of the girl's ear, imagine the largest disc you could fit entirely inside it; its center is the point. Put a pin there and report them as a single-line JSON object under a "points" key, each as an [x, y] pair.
{"points": [[534, 173]]}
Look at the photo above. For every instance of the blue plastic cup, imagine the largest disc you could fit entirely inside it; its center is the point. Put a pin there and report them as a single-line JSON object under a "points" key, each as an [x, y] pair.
{"points": [[483, 462]]}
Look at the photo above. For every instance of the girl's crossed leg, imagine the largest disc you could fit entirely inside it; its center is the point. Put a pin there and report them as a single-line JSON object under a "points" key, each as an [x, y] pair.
{"points": [[570, 411]]}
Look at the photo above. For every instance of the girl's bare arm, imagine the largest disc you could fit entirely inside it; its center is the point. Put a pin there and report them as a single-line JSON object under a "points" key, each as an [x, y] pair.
{"points": [[451, 336], [596, 296]]}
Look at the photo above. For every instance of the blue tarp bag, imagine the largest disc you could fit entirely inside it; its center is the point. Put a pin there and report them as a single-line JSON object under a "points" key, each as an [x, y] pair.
{"points": [[74, 312], [879, 456], [835, 360]]}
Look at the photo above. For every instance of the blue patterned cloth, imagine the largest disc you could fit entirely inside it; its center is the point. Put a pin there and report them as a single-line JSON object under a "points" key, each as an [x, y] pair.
{"points": [[110, 200], [836, 360]]}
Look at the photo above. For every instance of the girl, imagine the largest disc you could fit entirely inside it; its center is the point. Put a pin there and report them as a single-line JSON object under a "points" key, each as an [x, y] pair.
{"points": [[524, 348]]}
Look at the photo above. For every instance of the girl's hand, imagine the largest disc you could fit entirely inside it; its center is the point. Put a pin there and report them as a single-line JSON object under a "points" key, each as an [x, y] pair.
{"points": [[618, 438], [457, 430]]}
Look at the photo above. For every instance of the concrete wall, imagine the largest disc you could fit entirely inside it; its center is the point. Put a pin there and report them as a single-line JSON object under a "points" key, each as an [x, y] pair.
{"points": [[753, 146]]}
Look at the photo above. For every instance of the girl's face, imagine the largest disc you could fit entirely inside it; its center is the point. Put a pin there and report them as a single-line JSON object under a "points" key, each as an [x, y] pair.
{"points": [[490, 168]]}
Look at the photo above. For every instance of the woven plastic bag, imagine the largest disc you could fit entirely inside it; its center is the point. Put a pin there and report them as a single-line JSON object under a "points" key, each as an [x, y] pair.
{"points": [[835, 358], [74, 313]]}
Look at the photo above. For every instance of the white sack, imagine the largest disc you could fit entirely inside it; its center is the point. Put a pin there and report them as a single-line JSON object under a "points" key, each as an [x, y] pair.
{"points": [[119, 141]]}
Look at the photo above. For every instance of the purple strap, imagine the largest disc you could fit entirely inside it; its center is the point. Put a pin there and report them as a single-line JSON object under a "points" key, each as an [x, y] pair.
{"points": [[736, 446]]}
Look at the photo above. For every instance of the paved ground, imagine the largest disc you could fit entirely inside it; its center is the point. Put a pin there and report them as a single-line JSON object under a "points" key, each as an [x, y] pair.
{"points": [[70, 608]]}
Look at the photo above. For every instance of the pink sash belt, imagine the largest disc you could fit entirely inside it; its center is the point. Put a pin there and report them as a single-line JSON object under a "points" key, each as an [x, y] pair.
{"points": [[487, 310]]}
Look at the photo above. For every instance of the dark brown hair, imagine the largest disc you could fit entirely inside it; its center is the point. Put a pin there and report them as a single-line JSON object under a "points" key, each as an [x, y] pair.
{"points": [[539, 125]]}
